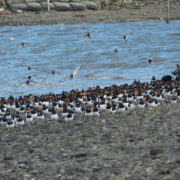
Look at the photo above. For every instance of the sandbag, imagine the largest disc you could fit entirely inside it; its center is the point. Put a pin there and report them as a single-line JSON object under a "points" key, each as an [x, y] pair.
{"points": [[90, 5], [15, 7], [78, 6], [44, 5], [34, 6], [62, 6], [97, 2]]}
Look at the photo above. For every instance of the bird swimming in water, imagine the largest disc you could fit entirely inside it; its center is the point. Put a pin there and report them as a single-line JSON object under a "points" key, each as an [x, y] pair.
{"points": [[54, 72], [125, 38], [149, 61], [116, 50], [29, 81], [22, 45], [30, 68], [88, 35]]}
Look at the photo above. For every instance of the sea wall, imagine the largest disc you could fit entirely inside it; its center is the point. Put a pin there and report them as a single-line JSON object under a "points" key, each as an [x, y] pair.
{"points": [[59, 5]]}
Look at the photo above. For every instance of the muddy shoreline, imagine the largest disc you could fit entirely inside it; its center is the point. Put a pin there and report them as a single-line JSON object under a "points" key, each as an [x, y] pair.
{"points": [[147, 11]]}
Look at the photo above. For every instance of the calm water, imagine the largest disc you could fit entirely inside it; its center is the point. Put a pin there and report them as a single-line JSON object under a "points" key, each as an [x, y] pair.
{"points": [[58, 48]]}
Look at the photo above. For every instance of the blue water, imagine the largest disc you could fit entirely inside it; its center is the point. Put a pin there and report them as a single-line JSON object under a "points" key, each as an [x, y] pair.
{"points": [[58, 48]]}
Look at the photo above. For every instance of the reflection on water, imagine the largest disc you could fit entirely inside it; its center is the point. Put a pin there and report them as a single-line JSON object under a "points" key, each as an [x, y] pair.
{"points": [[58, 48]]}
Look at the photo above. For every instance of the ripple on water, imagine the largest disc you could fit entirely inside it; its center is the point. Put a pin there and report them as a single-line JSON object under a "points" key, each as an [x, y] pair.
{"points": [[59, 48]]}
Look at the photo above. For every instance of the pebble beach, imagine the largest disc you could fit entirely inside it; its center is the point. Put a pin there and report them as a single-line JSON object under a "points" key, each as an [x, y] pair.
{"points": [[132, 146]]}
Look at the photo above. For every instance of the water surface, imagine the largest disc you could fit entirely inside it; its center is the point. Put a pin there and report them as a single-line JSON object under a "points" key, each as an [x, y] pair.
{"points": [[58, 48]]}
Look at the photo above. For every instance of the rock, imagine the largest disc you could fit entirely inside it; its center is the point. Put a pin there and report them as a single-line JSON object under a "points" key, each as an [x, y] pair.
{"points": [[26, 176], [8, 157], [15, 7], [34, 6], [4, 11], [78, 6], [154, 152], [45, 5], [90, 5], [14, 163], [22, 165], [164, 172], [62, 171], [62, 6], [19, 11]]}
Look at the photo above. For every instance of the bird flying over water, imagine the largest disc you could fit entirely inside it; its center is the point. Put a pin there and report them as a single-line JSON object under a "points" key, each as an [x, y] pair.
{"points": [[73, 75], [87, 35], [75, 72]]}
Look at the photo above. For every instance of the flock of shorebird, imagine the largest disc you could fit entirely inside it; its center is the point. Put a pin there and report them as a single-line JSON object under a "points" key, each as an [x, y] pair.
{"points": [[92, 102]]}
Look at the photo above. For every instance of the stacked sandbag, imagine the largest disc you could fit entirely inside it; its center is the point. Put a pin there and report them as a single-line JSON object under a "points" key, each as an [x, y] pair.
{"points": [[62, 6], [78, 6], [59, 5], [16, 5], [90, 5], [44, 5]]}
